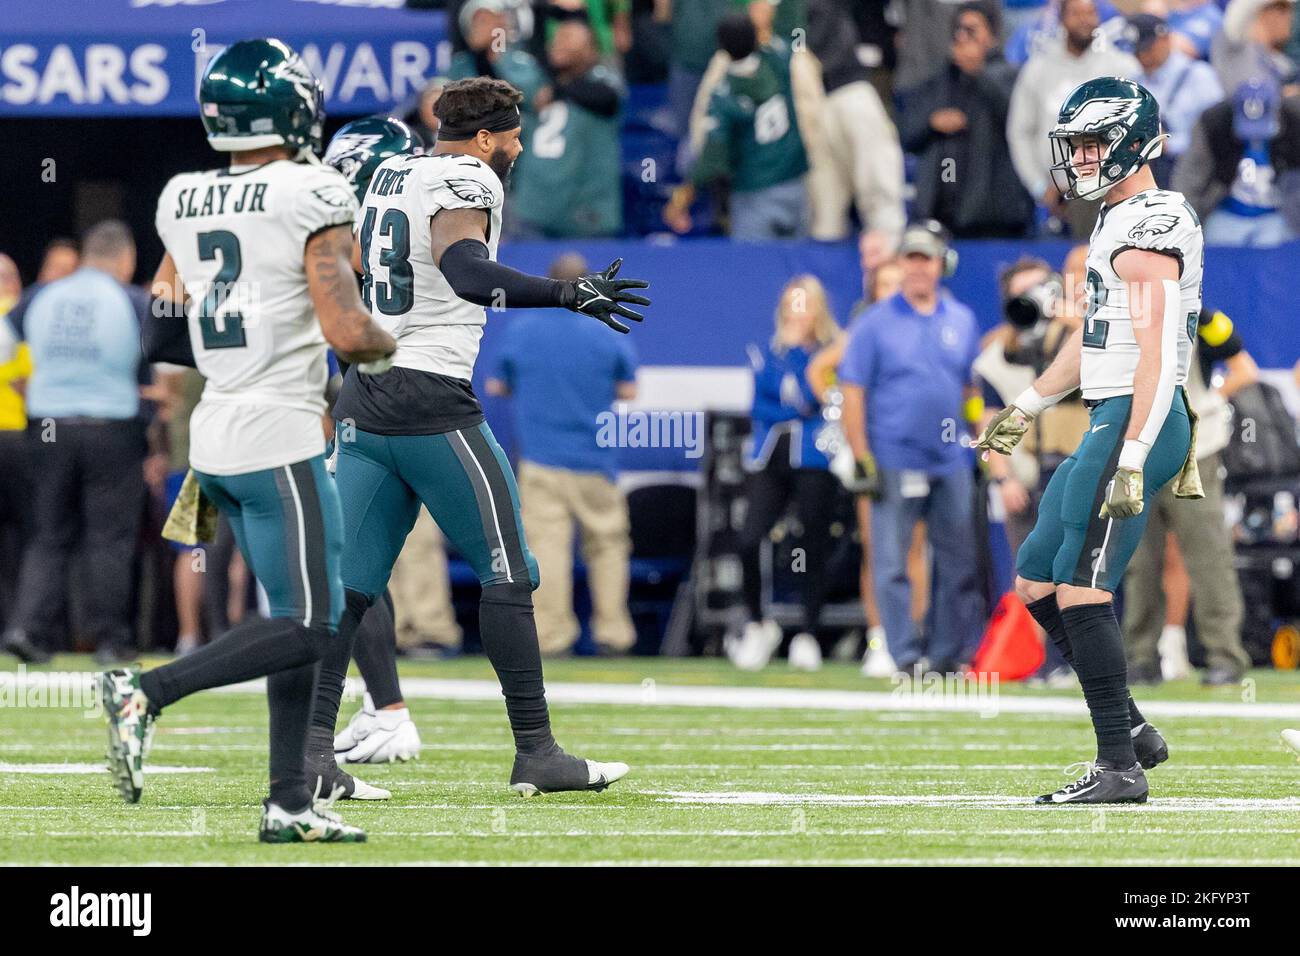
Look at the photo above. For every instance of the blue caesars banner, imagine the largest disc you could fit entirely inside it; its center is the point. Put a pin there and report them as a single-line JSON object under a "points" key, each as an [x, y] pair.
{"points": [[144, 57]]}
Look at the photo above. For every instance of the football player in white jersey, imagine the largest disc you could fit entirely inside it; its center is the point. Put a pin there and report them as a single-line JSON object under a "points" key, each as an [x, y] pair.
{"points": [[426, 249], [1130, 359], [258, 256]]}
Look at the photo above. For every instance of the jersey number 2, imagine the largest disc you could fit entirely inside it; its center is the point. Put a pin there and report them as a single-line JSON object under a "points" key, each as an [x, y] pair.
{"points": [[231, 333], [397, 295]]}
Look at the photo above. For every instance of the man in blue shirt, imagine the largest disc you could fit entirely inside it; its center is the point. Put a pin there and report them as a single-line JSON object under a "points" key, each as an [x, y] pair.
{"points": [[1183, 87], [563, 379], [906, 378], [87, 445]]}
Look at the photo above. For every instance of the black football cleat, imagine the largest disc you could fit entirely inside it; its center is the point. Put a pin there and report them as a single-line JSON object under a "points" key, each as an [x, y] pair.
{"points": [[324, 775], [1100, 784], [557, 772], [1149, 746]]}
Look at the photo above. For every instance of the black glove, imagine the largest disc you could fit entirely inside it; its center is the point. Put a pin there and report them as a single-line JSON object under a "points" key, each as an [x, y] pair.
{"points": [[866, 478], [600, 296]]}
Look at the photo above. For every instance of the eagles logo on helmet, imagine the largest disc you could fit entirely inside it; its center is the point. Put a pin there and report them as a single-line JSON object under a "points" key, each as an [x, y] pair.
{"points": [[259, 93], [359, 147]]}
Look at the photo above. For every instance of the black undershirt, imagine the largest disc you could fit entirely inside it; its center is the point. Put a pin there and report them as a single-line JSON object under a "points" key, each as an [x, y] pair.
{"points": [[404, 401]]}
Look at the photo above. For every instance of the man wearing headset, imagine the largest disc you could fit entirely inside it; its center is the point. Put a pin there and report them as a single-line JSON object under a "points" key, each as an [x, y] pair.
{"points": [[908, 397]]}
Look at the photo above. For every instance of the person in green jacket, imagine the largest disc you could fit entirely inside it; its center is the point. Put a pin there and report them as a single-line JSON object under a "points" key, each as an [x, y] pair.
{"points": [[753, 142], [570, 184]]}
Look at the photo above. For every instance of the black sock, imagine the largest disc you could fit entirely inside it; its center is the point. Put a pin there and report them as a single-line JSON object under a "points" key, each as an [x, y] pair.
{"points": [[334, 664], [375, 650], [1135, 718], [1099, 661], [1048, 615], [509, 637], [289, 699], [255, 648]]}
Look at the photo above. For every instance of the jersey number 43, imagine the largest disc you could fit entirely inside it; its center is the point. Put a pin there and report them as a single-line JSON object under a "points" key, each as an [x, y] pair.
{"points": [[397, 295]]}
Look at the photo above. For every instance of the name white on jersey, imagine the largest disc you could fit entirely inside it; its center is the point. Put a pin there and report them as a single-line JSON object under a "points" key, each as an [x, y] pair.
{"points": [[407, 294], [1160, 221], [238, 238]]}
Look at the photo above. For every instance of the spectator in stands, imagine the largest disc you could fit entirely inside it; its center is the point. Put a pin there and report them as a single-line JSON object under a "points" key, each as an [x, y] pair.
{"points": [[60, 260], [956, 123], [1042, 86], [1241, 172], [924, 37], [1184, 87], [87, 443], [1202, 534], [15, 487], [786, 468], [906, 378], [1193, 24], [694, 41], [610, 22], [521, 21], [1252, 44], [563, 374], [490, 51], [753, 140], [854, 150], [570, 185], [1034, 24]]}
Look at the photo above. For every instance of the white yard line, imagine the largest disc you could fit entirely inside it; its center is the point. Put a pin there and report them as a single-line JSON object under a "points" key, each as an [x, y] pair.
{"points": [[90, 768], [966, 698], [768, 698]]}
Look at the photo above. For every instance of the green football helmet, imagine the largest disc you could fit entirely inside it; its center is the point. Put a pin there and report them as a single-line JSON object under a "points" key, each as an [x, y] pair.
{"points": [[359, 147], [1122, 117], [259, 93]]}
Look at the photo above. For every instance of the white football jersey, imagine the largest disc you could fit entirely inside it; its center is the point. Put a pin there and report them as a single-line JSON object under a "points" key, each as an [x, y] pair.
{"points": [[1158, 220], [435, 330], [238, 238]]}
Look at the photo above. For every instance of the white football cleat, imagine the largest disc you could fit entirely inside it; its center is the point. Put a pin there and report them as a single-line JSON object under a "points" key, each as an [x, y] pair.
{"points": [[756, 645], [1172, 647], [377, 736], [318, 823], [1292, 739], [877, 661], [805, 653]]}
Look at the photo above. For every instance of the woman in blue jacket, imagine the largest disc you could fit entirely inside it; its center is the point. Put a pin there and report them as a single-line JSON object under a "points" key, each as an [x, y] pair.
{"points": [[786, 468]]}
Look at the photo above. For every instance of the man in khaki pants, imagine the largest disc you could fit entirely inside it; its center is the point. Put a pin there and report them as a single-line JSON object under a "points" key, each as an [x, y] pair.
{"points": [[563, 381], [1198, 524]]}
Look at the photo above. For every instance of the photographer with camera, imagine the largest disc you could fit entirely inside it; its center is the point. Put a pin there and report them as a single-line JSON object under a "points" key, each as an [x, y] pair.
{"points": [[1039, 315], [1040, 310]]}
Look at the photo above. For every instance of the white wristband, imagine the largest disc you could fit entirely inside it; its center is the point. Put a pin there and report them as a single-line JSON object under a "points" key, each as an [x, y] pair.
{"points": [[1031, 403], [1134, 454]]}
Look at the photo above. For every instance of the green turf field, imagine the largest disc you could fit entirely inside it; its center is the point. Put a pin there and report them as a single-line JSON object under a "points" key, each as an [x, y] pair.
{"points": [[738, 780]]}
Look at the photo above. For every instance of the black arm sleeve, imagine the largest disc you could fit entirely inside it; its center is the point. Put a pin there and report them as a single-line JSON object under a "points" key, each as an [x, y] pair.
{"points": [[474, 277], [166, 338]]}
